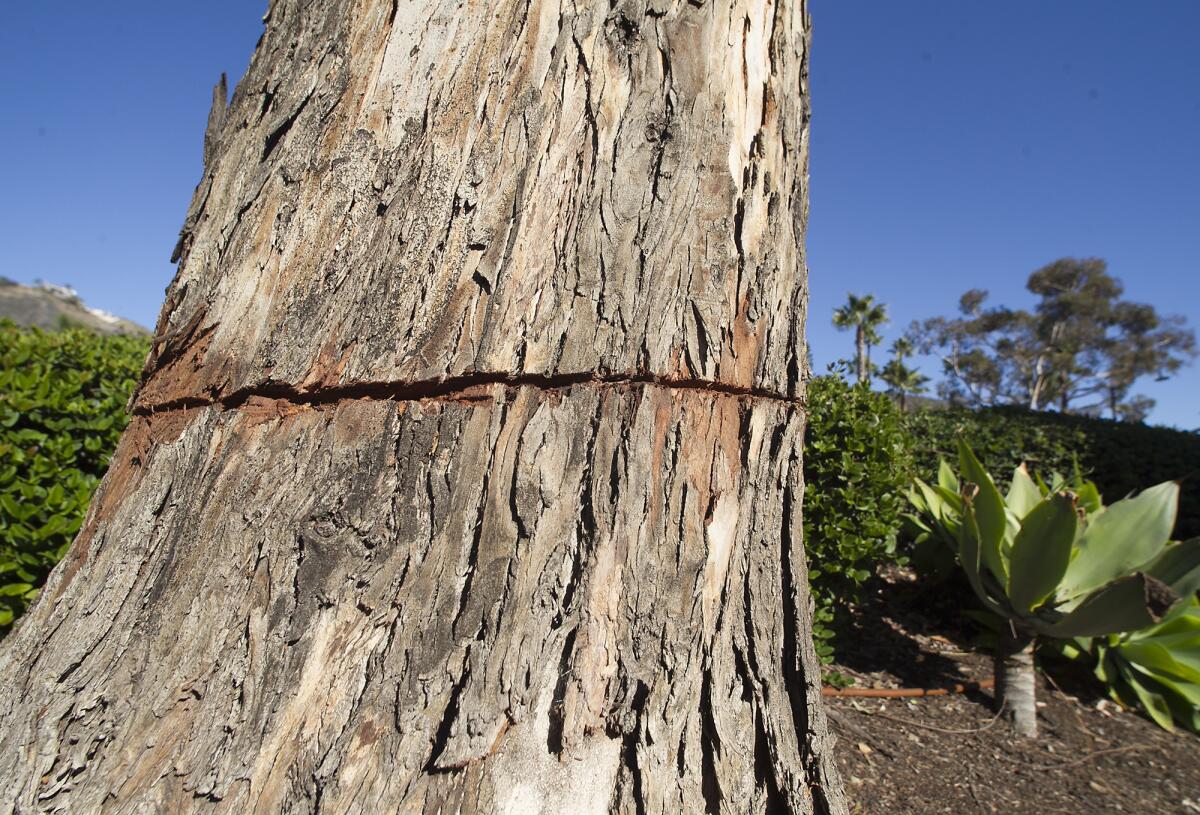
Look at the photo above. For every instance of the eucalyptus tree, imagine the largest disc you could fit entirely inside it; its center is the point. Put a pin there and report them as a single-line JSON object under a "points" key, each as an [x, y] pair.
{"points": [[465, 472], [1081, 349]]}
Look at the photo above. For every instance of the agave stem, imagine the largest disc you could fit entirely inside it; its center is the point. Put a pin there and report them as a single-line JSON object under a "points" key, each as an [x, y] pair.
{"points": [[1016, 690]]}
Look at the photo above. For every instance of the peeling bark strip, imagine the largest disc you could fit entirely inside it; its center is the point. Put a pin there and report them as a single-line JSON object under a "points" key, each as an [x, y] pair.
{"points": [[538, 266]]}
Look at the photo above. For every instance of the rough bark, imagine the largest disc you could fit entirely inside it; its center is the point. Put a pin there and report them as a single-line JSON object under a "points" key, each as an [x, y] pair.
{"points": [[464, 474]]}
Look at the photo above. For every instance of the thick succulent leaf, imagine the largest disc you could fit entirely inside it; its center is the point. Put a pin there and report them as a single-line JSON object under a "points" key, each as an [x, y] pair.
{"points": [[1179, 628], [1126, 604], [952, 499], [1023, 494], [1182, 698], [1012, 525], [917, 522], [1184, 646], [1178, 565], [1125, 536], [946, 477], [938, 513], [916, 496], [1180, 663], [1041, 552], [1088, 497], [990, 514], [951, 508], [1153, 703], [1164, 670], [935, 504], [1187, 713], [1190, 691], [1106, 666], [969, 557]]}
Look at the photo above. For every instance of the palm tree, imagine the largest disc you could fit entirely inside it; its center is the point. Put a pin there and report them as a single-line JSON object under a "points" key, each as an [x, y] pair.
{"points": [[865, 316], [901, 379]]}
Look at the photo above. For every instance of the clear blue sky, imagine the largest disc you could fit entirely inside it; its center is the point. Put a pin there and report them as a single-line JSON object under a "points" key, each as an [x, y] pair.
{"points": [[955, 145]]}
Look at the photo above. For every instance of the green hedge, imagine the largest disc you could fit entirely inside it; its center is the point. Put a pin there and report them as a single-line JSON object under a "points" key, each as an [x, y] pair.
{"points": [[861, 453], [1120, 457], [857, 464], [62, 410]]}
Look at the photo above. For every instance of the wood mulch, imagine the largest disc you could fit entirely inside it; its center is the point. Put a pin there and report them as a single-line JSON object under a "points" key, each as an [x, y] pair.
{"points": [[950, 754]]}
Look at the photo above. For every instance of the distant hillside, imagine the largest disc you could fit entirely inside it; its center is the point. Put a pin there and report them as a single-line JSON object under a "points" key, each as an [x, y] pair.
{"points": [[51, 307]]}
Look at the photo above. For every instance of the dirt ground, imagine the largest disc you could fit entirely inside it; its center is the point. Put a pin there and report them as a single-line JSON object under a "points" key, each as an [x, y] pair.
{"points": [[949, 754]]}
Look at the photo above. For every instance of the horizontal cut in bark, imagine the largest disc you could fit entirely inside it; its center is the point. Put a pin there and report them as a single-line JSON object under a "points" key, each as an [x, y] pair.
{"points": [[532, 617], [468, 388], [464, 474]]}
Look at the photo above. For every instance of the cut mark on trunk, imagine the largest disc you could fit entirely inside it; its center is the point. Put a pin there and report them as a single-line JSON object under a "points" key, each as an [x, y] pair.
{"points": [[466, 388]]}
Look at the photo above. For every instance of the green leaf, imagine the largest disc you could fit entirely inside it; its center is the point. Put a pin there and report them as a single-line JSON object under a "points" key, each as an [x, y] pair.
{"points": [[990, 513], [1127, 535], [1089, 497], [1185, 624], [1126, 604], [14, 589], [1178, 565], [1041, 551], [969, 557], [946, 477], [1154, 704], [1173, 662], [1023, 494]]}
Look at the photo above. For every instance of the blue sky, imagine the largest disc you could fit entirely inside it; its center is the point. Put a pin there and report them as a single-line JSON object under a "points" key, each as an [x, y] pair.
{"points": [[955, 145], [961, 145]]}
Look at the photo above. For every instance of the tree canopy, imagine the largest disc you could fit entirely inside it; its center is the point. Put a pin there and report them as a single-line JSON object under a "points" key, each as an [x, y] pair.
{"points": [[1082, 347], [865, 316]]}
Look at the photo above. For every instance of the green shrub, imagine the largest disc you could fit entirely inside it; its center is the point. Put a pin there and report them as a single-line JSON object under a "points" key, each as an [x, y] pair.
{"points": [[857, 464], [1120, 457], [62, 410]]}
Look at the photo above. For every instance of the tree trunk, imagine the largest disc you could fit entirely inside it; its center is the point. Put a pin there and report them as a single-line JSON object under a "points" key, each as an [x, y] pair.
{"points": [[465, 472], [1016, 682], [860, 345], [1035, 394]]}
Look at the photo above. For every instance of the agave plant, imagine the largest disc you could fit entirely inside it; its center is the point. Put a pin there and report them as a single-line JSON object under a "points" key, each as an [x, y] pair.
{"points": [[1156, 669], [1057, 563]]}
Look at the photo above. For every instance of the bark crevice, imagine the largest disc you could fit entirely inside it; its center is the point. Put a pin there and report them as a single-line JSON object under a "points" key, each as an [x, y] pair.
{"points": [[465, 470], [466, 389]]}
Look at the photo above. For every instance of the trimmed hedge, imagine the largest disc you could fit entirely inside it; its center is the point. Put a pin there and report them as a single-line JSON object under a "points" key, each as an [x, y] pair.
{"points": [[861, 453], [857, 465], [1120, 457], [62, 410]]}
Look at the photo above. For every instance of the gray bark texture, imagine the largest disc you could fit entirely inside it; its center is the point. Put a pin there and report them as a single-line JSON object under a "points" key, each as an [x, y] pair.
{"points": [[1016, 681], [465, 472]]}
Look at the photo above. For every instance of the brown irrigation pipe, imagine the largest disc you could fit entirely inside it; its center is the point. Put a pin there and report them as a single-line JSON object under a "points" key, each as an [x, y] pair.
{"points": [[906, 693]]}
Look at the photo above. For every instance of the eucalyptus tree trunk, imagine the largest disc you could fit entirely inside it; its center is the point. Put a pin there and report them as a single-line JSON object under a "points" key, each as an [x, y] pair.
{"points": [[1039, 379], [464, 474]]}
